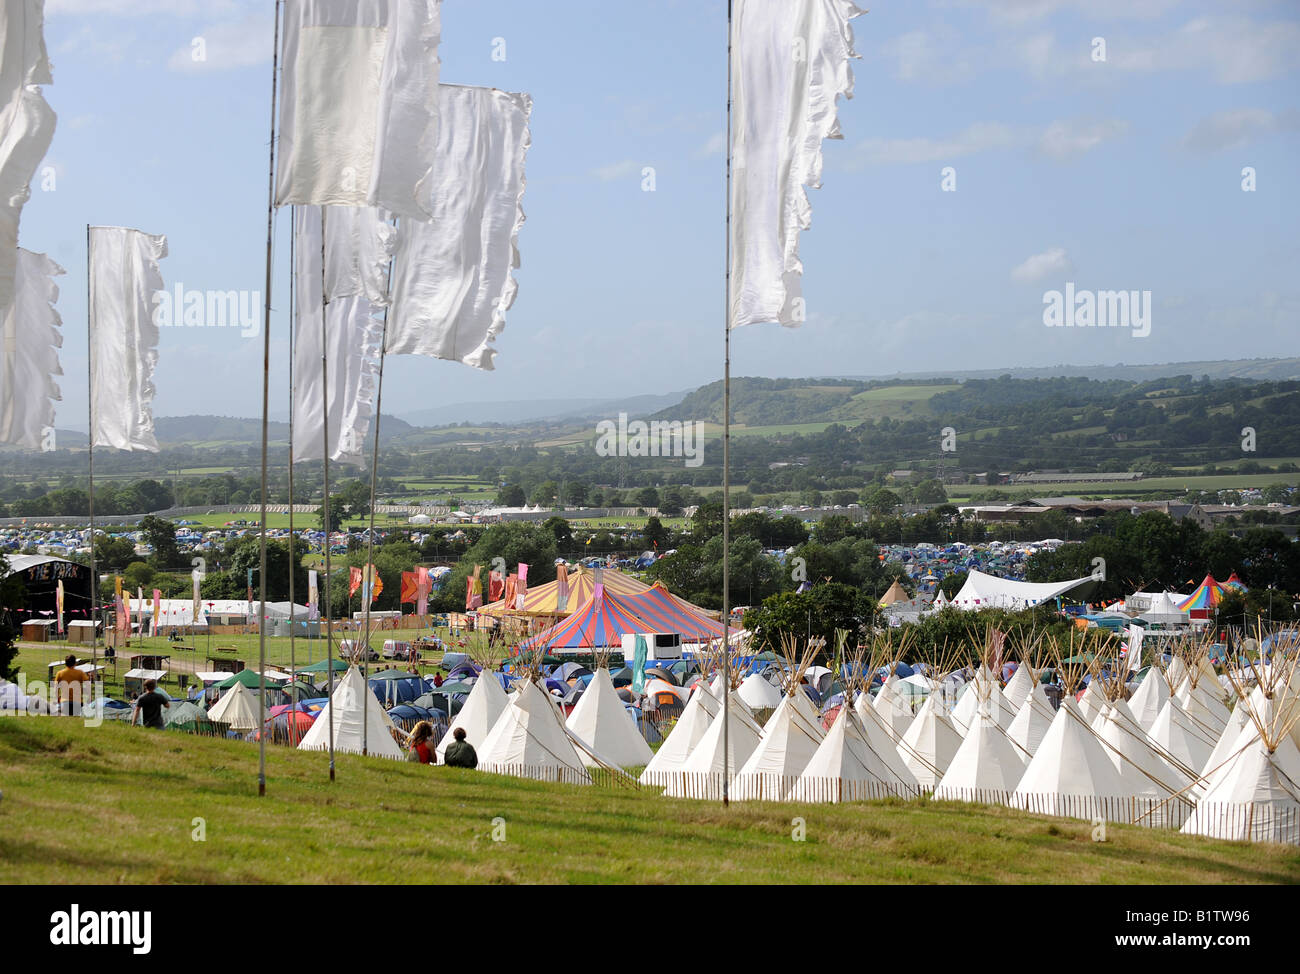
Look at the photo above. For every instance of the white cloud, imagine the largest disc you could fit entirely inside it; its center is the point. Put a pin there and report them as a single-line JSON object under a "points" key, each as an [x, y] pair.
{"points": [[1053, 262], [617, 170], [140, 8], [932, 58], [225, 47], [716, 146], [1224, 130], [1066, 140], [980, 137], [1235, 49]]}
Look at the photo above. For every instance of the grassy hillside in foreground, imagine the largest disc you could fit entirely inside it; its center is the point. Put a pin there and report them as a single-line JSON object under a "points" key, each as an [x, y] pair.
{"points": [[117, 804]]}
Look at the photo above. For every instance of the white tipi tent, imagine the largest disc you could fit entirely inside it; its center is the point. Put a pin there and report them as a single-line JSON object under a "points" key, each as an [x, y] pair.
{"points": [[987, 766], [758, 694], [695, 719], [1177, 735], [356, 721], [1030, 724], [930, 743], [846, 766], [791, 737], [707, 757], [528, 739], [1018, 687], [1069, 769], [1146, 772], [479, 712], [894, 708], [238, 708], [1149, 697], [602, 723]]}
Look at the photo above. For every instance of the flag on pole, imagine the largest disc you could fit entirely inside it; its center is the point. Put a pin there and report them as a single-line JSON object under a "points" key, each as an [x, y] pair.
{"points": [[790, 65], [359, 109], [371, 584], [474, 589], [452, 273], [410, 587], [123, 620], [58, 605], [496, 583], [512, 586], [313, 596], [124, 277], [422, 591], [157, 610], [521, 587], [29, 357], [26, 125], [358, 245], [561, 587], [354, 581]]}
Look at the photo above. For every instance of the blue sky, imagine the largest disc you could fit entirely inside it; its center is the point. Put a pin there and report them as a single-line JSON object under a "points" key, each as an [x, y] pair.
{"points": [[1115, 174]]}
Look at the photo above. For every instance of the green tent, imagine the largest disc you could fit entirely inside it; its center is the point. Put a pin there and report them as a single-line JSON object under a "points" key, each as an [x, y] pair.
{"points": [[323, 666], [248, 678]]}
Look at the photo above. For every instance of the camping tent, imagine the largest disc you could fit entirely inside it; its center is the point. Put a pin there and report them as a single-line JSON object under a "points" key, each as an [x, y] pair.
{"points": [[602, 722], [671, 757], [707, 757], [528, 739], [479, 713], [759, 694], [1030, 724], [896, 593], [1206, 596], [606, 617], [359, 723], [544, 600], [846, 766], [930, 743], [987, 765], [791, 737], [237, 707], [1069, 769]]}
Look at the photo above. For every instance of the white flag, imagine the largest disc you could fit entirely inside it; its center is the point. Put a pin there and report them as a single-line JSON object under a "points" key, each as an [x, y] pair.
{"points": [[358, 248], [26, 124], [359, 110], [790, 65], [124, 278], [30, 359], [452, 280]]}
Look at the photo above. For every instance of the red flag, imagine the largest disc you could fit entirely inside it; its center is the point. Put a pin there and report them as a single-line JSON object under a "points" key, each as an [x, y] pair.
{"points": [[354, 581], [495, 584], [410, 586]]}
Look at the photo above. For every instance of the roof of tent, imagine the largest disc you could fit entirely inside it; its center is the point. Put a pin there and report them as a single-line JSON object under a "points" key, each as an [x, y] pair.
{"points": [[983, 591], [896, 593], [543, 600], [1207, 595], [606, 616]]}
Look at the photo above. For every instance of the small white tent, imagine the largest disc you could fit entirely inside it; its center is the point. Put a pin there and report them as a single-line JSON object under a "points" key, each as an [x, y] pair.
{"points": [[707, 758], [930, 743], [695, 719], [528, 739], [987, 766], [357, 722], [1069, 770], [602, 723], [791, 737], [479, 713], [1177, 735], [1030, 724], [758, 694], [1149, 697], [847, 767], [237, 707], [891, 704]]}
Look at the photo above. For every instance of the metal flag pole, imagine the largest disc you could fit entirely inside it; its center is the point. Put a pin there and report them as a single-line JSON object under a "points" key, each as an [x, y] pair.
{"points": [[325, 458], [726, 466], [368, 591], [90, 455], [266, 385], [293, 539]]}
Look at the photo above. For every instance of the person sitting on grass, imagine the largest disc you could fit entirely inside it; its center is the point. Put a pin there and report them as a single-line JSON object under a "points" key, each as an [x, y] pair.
{"points": [[150, 706], [421, 742], [460, 753]]}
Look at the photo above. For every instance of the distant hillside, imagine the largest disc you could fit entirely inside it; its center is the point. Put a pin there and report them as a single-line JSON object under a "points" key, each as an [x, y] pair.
{"points": [[527, 411], [1258, 369]]}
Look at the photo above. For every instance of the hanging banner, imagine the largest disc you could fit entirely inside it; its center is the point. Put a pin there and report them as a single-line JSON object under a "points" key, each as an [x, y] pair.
{"points": [[354, 580], [313, 596], [157, 610], [562, 588], [521, 587], [496, 585], [58, 604], [474, 589], [410, 587], [422, 591], [372, 585]]}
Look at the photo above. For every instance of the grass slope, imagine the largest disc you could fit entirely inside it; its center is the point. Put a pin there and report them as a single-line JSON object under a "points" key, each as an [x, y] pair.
{"points": [[117, 805]]}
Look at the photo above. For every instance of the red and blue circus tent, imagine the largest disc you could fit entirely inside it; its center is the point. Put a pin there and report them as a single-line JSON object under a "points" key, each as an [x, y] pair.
{"points": [[606, 617]]}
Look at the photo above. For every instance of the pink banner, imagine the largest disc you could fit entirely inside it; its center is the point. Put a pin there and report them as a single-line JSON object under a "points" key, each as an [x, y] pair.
{"points": [[157, 610]]}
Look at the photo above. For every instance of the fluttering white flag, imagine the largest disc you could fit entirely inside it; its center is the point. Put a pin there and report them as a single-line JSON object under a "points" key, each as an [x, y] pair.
{"points": [[452, 275], [29, 360], [358, 247], [26, 124], [124, 277], [359, 110], [790, 64]]}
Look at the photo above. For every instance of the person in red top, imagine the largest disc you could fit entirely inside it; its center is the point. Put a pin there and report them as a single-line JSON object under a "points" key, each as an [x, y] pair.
{"points": [[421, 742], [437, 679]]}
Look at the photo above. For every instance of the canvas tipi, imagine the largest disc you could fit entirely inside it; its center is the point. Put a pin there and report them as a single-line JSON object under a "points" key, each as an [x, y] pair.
{"points": [[238, 708], [529, 740], [358, 723], [790, 736], [478, 713], [602, 722]]}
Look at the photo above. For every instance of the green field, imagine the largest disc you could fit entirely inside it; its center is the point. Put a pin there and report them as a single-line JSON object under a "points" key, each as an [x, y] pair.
{"points": [[117, 804]]}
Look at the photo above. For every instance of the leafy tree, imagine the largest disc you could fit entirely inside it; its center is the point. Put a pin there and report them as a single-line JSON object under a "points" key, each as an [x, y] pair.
{"points": [[655, 534], [562, 530], [138, 574], [883, 501], [575, 493], [113, 553], [512, 542], [511, 495], [819, 612], [338, 509], [647, 497], [160, 534]]}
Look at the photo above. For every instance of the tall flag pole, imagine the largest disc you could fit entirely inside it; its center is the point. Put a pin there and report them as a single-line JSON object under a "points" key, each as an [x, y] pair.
{"points": [[266, 393], [726, 462], [293, 539], [325, 506], [90, 450]]}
